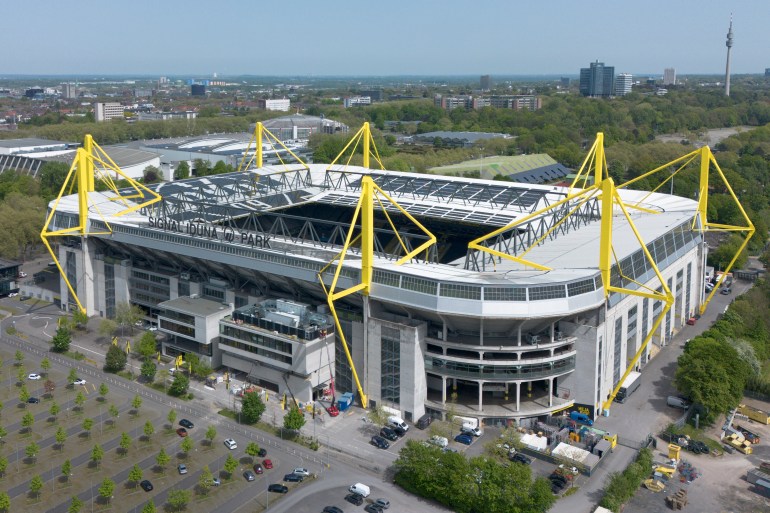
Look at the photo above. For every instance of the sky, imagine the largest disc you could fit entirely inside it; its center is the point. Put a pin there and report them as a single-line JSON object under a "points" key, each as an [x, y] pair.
{"points": [[382, 38]]}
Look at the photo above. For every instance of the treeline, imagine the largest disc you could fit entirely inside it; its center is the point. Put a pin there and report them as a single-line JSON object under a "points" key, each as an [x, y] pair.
{"points": [[467, 485], [718, 365]]}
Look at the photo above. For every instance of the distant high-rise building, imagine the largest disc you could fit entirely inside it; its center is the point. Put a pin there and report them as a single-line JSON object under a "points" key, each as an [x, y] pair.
{"points": [[374, 94], [623, 84], [669, 76], [353, 101], [107, 111], [198, 90], [729, 45], [280, 104], [767, 72], [70, 91], [565, 82], [486, 82], [597, 80]]}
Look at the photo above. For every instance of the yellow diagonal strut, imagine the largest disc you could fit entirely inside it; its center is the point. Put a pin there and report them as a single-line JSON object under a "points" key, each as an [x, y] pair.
{"points": [[370, 195], [83, 173]]}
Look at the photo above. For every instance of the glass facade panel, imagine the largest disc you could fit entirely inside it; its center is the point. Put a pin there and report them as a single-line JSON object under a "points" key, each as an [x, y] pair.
{"points": [[390, 365]]}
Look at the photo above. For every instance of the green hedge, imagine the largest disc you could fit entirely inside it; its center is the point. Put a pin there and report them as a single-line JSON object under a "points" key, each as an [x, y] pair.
{"points": [[623, 485]]}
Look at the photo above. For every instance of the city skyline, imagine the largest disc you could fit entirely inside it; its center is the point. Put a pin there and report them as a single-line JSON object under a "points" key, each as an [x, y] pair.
{"points": [[342, 39]]}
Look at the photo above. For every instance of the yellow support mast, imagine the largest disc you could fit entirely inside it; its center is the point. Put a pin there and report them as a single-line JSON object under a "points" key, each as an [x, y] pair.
{"points": [[82, 174], [371, 194], [258, 139]]}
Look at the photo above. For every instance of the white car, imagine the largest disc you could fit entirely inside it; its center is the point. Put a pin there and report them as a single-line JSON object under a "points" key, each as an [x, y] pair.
{"points": [[230, 444], [33, 376], [79, 381], [301, 472], [153, 328], [439, 440], [13, 294]]}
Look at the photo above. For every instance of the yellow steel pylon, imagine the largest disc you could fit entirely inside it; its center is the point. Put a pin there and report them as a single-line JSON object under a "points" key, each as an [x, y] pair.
{"points": [[368, 148], [82, 173], [262, 134], [370, 194]]}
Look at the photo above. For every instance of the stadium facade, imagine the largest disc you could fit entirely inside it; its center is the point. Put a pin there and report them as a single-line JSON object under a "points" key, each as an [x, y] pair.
{"points": [[228, 266]]}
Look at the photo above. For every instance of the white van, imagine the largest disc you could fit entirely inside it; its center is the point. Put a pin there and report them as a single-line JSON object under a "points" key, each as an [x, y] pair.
{"points": [[469, 429], [439, 440], [398, 422], [677, 402], [360, 489]]}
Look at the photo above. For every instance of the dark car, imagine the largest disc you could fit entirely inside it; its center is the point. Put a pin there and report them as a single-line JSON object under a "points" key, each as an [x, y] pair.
{"points": [[464, 439], [257, 468], [277, 488], [262, 452], [293, 478], [181, 432], [146, 485], [373, 508], [33, 400], [521, 458], [332, 509], [388, 433], [354, 499], [398, 430], [186, 423], [379, 442]]}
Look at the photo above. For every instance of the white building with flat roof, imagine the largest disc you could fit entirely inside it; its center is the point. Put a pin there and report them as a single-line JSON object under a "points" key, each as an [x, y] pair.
{"points": [[104, 111]]}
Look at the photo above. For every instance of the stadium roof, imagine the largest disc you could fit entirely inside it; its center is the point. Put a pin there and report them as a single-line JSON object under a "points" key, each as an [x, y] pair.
{"points": [[536, 168], [470, 137], [123, 157], [31, 142]]}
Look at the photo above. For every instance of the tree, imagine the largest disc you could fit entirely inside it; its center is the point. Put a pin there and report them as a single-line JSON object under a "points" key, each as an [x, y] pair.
{"points": [[5, 502], [107, 327], [126, 315], [125, 442], [3, 465], [148, 370], [103, 391], [182, 171], [252, 408], [211, 434], [88, 424], [49, 386], [3, 432], [27, 421], [151, 174], [136, 402], [61, 340], [24, 394], [31, 450], [61, 437], [52, 177], [180, 384], [204, 482], [72, 376], [294, 419], [45, 365], [171, 417], [147, 345], [162, 458], [135, 474], [19, 357], [106, 489], [230, 464], [116, 359], [66, 469], [80, 400], [186, 445], [252, 449], [97, 454], [21, 373], [178, 499], [76, 505], [149, 429], [149, 507], [35, 485], [113, 411], [79, 319]]}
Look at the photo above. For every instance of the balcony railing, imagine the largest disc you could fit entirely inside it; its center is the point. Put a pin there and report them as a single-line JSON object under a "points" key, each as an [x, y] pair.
{"points": [[499, 372]]}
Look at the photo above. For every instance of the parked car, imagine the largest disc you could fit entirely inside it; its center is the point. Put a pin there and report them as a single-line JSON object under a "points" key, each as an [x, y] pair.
{"points": [[33, 400], [34, 376], [293, 478], [268, 464], [399, 430], [146, 486], [379, 442], [262, 452], [471, 430], [301, 472], [464, 439], [181, 432], [521, 458], [215, 481], [79, 381], [424, 421], [439, 440], [277, 488], [388, 434], [186, 424], [354, 499], [249, 475], [258, 468], [182, 468], [725, 291], [332, 509], [383, 503], [372, 508], [230, 444]]}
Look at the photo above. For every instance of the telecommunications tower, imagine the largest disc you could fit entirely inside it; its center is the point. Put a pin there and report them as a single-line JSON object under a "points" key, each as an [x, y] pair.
{"points": [[729, 45]]}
